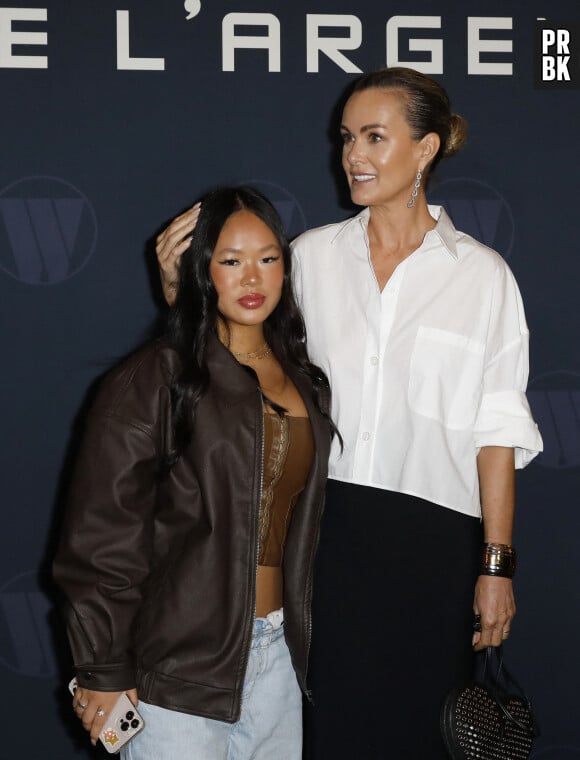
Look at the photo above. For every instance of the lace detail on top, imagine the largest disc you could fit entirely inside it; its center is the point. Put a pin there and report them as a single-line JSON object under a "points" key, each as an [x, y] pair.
{"points": [[288, 455]]}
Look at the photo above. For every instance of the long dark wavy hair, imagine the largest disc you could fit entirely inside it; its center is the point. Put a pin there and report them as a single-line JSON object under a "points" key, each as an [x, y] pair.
{"points": [[194, 314]]}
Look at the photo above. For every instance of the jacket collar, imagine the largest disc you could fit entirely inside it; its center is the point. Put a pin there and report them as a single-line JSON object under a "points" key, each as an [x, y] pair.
{"points": [[236, 384], [228, 377]]}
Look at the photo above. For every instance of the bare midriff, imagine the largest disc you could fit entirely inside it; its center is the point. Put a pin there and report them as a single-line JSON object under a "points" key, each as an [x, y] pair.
{"points": [[288, 455], [269, 589]]}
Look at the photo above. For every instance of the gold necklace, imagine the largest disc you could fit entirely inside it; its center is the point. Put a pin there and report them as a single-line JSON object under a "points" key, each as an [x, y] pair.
{"points": [[260, 353]]}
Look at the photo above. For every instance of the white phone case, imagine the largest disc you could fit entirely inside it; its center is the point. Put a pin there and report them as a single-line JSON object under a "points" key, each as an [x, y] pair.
{"points": [[122, 724]]}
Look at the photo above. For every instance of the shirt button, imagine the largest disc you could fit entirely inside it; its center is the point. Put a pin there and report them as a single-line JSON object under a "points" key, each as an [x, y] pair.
{"points": [[366, 436], [374, 360]]}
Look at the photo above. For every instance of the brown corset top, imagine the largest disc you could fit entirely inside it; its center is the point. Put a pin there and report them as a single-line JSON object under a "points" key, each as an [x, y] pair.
{"points": [[288, 455]]}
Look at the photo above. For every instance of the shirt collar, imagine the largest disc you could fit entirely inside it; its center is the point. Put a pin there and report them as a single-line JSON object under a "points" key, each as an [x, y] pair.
{"points": [[444, 229], [362, 217]]}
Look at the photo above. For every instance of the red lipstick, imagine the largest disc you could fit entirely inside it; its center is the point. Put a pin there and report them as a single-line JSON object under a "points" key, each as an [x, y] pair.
{"points": [[252, 301]]}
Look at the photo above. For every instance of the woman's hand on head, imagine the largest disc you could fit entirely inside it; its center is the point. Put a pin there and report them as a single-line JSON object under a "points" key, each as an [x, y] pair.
{"points": [[495, 604], [93, 708], [169, 247]]}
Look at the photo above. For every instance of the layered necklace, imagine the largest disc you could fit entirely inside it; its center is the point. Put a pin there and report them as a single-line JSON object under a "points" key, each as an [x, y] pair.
{"points": [[260, 353]]}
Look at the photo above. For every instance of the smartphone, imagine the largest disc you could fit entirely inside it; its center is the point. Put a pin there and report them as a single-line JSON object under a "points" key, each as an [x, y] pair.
{"points": [[121, 725]]}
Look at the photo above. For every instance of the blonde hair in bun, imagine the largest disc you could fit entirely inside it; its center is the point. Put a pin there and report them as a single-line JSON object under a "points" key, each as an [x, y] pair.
{"points": [[457, 135], [426, 105]]}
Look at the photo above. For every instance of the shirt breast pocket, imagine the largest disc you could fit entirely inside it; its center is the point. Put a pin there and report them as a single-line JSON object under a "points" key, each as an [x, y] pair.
{"points": [[445, 377]]}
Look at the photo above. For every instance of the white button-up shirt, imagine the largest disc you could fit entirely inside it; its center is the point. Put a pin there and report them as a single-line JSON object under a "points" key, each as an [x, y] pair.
{"points": [[424, 373]]}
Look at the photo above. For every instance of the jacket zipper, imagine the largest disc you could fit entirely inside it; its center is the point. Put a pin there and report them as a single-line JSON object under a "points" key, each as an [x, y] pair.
{"points": [[307, 691], [320, 499], [260, 489], [255, 526]]}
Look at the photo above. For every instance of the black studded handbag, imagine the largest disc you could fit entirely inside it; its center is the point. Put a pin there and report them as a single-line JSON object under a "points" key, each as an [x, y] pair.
{"points": [[489, 718]]}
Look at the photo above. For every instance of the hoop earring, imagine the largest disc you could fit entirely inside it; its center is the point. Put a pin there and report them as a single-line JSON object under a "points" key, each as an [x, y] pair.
{"points": [[415, 190]]}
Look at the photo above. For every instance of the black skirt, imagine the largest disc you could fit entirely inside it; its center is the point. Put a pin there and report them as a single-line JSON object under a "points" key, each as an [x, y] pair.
{"points": [[391, 626]]}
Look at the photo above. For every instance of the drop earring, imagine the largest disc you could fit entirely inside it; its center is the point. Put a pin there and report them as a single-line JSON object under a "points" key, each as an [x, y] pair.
{"points": [[415, 190]]}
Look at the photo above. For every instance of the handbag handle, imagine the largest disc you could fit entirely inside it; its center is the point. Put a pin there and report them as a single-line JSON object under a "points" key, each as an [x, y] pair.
{"points": [[492, 673]]}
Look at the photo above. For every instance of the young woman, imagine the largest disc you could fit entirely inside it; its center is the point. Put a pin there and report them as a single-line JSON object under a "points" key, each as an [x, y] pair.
{"points": [[188, 551], [422, 333]]}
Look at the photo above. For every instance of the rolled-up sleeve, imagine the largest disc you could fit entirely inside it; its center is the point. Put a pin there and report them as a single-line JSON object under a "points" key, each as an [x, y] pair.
{"points": [[504, 417]]}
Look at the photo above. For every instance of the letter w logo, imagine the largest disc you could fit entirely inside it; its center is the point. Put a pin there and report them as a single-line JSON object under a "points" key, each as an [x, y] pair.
{"points": [[479, 218], [25, 614], [42, 233], [557, 413]]}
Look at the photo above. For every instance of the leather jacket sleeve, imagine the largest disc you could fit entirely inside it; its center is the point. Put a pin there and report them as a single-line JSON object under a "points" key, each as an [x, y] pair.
{"points": [[105, 552]]}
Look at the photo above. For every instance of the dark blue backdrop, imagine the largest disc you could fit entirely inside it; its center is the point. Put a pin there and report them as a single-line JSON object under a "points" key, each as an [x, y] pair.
{"points": [[117, 115]]}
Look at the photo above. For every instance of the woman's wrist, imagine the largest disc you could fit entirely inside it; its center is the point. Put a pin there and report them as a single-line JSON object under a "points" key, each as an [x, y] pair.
{"points": [[498, 560]]}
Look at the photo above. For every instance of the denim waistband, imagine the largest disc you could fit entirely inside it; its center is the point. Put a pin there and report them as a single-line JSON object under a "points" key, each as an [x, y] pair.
{"points": [[268, 629]]}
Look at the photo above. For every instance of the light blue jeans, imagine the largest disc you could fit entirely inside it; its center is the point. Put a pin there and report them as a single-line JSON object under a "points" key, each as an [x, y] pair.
{"points": [[270, 725]]}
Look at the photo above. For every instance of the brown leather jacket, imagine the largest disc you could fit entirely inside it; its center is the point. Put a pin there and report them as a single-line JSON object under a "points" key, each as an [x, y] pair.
{"points": [[159, 573]]}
